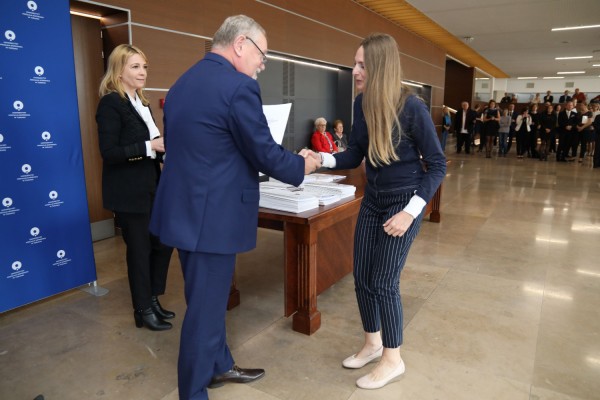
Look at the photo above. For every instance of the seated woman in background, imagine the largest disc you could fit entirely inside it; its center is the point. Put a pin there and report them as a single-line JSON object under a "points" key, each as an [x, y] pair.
{"points": [[340, 140], [321, 140]]}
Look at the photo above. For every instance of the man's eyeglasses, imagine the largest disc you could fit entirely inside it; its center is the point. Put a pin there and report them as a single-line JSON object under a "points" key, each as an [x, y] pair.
{"points": [[264, 56]]}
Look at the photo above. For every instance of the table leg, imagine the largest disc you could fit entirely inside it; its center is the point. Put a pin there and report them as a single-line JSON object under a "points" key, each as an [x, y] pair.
{"points": [[301, 277]]}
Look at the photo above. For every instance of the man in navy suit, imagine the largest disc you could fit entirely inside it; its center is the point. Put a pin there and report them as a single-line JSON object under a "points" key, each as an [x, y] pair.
{"points": [[217, 140]]}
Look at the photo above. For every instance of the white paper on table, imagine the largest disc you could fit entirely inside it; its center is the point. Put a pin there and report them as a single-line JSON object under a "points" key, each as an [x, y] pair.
{"points": [[277, 117]]}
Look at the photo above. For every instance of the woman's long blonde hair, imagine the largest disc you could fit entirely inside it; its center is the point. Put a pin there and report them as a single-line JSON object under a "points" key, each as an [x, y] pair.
{"points": [[117, 60], [382, 97]]}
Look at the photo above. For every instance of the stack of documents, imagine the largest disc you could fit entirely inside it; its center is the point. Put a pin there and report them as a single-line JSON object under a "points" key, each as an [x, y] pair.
{"points": [[324, 193], [287, 198], [330, 188], [323, 178]]}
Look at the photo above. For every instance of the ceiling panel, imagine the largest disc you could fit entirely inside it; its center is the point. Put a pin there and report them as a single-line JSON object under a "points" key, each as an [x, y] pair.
{"points": [[510, 38]]}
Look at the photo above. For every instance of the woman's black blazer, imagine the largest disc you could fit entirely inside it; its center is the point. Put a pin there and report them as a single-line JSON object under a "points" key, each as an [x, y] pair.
{"points": [[129, 177]]}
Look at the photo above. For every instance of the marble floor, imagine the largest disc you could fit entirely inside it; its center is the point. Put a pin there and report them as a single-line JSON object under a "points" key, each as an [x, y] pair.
{"points": [[501, 300]]}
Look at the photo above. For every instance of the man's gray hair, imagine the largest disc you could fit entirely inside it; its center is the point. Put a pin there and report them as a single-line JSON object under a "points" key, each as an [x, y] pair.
{"points": [[233, 27]]}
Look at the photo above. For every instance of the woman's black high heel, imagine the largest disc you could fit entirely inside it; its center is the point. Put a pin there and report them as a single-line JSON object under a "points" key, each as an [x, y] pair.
{"points": [[149, 319], [161, 312]]}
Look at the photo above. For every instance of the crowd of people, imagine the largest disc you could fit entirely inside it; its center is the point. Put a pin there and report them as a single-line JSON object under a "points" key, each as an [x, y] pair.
{"points": [[569, 129]]}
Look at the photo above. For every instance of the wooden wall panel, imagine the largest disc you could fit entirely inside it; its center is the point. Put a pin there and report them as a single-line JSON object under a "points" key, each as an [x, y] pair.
{"points": [[169, 54], [459, 84], [329, 31]]}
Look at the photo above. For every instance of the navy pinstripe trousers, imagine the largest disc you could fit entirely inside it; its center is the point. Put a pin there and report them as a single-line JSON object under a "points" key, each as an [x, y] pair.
{"points": [[378, 261]]}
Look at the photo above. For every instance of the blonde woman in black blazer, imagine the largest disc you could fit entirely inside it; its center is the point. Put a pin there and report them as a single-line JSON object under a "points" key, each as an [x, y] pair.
{"points": [[132, 149]]}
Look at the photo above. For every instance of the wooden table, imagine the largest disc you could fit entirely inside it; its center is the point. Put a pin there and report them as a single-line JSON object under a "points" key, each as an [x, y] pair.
{"points": [[319, 246]]}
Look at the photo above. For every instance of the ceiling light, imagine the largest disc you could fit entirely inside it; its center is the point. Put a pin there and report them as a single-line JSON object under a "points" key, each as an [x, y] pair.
{"points": [[86, 15], [595, 65], [570, 72], [412, 84], [482, 79], [568, 28], [302, 62], [553, 77], [527, 77], [573, 58]]}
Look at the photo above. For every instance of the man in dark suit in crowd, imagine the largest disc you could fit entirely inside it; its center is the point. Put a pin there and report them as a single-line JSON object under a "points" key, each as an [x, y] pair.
{"points": [[567, 120], [564, 98], [217, 140], [548, 98], [463, 127], [506, 99]]}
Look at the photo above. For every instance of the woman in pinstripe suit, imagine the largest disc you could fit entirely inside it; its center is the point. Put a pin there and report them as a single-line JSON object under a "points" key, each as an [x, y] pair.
{"points": [[405, 165]]}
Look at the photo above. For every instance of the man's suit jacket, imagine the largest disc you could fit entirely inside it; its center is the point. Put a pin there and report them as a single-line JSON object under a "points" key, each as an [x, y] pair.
{"points": [[471, 115], [217, 140], [563, 99], [129, 176], [549, 99], [564, 121]]}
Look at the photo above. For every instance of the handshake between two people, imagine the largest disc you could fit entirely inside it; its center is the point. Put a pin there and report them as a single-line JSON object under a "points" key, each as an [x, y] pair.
{"points": [[312, 161]]}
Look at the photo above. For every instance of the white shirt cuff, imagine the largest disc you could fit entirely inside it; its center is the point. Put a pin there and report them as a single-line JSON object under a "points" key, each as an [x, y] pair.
{"points": [[415, 206], [149, 152], [328, 160]]}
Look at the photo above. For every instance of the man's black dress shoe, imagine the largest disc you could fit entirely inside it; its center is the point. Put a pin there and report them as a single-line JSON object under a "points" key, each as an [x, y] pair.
{"points": [[236, 375]]}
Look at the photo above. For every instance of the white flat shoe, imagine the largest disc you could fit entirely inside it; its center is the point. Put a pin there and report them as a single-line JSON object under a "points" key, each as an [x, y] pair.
{"points": [[353, 362], [367, 383]]}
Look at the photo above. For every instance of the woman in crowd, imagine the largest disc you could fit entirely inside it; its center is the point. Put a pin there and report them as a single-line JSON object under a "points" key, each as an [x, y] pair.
{"points": [[321, 140], [131, 149], [523, 127], [340, 140], [478, 131], [491, 118], [595, 107], [446, 124], [534, 133], [405, 165], [585, 129], [505, 122], [548, 123]]}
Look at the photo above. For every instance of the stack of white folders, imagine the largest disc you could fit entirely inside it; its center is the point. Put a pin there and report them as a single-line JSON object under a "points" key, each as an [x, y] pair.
{"points": [[329, 192], [323, 178], [287, 196]]}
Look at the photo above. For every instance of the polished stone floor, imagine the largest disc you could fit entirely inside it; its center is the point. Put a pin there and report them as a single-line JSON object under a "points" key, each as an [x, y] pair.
{"points": [[501, 299]]}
